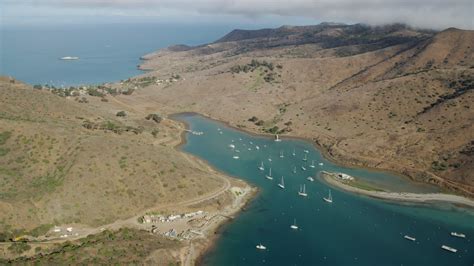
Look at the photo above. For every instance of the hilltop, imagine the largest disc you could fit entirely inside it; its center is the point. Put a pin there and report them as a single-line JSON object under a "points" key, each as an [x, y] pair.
{"points": [[389, 97]]}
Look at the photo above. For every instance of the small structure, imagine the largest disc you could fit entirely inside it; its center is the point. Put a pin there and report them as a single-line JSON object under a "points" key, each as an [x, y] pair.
{"points": [[345, 176]]}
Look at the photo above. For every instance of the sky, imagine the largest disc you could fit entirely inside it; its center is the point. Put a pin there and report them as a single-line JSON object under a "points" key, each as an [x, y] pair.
{"points": [[432, 14]]}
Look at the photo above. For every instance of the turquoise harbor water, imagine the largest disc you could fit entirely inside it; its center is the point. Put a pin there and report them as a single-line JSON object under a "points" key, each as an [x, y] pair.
{"points": [[353, 230]]}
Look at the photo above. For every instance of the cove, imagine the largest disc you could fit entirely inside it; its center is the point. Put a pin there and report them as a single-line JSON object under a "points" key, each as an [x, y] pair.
{"points": [[353, 230]]}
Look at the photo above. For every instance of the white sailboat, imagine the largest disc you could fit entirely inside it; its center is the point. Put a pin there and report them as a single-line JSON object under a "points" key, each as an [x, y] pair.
{"points": [[312, 164], [302, 191], [282, 183], [329, 198], [269, 176], [294, 170], [305, 158], [460, 235], [281, 154], [269, 159], [310, 178], [236, 157], [294, 152], [261, 167], [277, 139], [321, 164], [306, 151], [294, 226], [261, 247], [303, 168]]}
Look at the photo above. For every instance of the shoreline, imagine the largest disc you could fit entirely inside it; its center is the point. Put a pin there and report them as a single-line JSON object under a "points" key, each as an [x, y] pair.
{"points": [[322, 150], [329, 178], [212, 238], [217, 230], [197, 255]]}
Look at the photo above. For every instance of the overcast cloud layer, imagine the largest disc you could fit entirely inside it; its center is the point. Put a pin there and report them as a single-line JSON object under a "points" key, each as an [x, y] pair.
{"points": [[436, 14]]}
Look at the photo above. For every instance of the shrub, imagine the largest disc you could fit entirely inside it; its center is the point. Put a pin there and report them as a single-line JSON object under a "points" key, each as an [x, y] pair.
{"points": [[121, 114], [4, 136], [19, 247], [253, 119], [154, 117]]}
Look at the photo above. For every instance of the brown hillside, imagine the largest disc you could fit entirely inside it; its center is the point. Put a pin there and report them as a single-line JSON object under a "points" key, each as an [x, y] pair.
{"points": [[388, 97]]}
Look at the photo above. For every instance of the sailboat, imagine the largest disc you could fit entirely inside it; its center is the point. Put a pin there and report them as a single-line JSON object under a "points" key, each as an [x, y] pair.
{"points": [[269, 159], [294, 226], [261, 247], [269, 176], [294, 170], [294, 152], [277, 139], [329, 198], [302, 191], [312, 164], [303, 168], [305, 158], [310, 178], [281, 154], [282, 183], [261, 167]]}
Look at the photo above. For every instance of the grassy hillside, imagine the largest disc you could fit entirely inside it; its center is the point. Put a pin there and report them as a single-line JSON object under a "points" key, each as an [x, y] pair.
{"points": [[54, 169]]}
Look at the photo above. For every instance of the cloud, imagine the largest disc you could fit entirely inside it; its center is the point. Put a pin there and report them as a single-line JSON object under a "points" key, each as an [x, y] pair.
{"points": [[422, 13]]}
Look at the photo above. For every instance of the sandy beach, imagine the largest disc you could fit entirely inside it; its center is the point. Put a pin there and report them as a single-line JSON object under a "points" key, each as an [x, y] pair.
{"points": [[399, 196]]}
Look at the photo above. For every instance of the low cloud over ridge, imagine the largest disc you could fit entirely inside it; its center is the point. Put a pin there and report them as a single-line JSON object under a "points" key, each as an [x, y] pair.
{"points": [[436, 14]]}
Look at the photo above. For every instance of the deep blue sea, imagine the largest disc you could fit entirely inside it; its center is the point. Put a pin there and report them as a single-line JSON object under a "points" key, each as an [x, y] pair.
{"points": [[108, 52], [353, 230]]}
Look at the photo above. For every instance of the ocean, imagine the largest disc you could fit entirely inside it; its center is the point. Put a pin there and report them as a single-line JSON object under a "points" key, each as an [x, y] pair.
{"points": [[107, 52], [353, 230]]}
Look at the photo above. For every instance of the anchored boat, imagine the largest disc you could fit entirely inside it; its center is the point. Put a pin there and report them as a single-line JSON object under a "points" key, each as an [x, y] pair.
{"points": [[329, 198], [277, 139], [460, 235], [294, 226], [449, 248], [302, 191], [69, 58], [269, 176], [282, 183]]}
